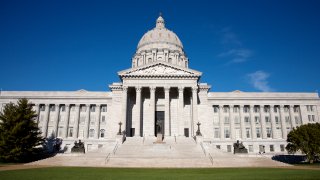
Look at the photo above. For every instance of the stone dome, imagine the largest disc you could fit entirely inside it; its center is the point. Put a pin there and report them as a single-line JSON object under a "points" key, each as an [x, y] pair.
{"points": [[160, 37]]}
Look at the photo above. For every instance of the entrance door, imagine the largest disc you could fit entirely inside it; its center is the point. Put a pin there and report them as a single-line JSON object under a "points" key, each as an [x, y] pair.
{"points": [[186, 132], [159, 123]]}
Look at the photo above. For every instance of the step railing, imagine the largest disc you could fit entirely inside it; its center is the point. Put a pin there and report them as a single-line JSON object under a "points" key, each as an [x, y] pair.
{"points": [[107, 158], [210, 158], [204, 151], [115, 148]]}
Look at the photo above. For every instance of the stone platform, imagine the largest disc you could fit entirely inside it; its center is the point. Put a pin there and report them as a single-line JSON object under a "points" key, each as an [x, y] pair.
{"points": [[180, 153]]}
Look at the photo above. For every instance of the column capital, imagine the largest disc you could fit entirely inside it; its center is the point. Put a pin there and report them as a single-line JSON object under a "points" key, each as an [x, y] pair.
{"points": [[98, 105], [291, 106], [138, 88], [77, 105], [181, 88], [67, 105], [152, 88], [194, 88], [166, 88], [124, 88], [231, 106], [221, 106], [241, 105], [281, 106]]}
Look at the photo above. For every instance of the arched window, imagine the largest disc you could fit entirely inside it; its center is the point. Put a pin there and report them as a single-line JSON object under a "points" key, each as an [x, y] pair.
{"points": [[91, 133], [102, 131]]}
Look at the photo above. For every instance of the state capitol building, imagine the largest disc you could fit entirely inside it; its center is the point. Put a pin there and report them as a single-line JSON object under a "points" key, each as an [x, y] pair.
{"points": [[160, 94]]}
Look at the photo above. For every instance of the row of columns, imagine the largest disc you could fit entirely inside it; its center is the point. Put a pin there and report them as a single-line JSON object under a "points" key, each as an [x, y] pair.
{"points": [[66, 122], [153, 105], [253, 124]]}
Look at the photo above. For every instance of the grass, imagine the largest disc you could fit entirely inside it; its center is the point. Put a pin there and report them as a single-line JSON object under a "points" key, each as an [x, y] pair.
{"points": [[78, 173]]}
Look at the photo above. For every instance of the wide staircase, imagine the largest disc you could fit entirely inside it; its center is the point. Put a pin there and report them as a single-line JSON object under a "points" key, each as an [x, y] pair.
{"points": [[174, 152]]}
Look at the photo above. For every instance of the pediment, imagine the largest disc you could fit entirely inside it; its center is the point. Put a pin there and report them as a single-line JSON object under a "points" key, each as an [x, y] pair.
{"points": [[159, 69]]}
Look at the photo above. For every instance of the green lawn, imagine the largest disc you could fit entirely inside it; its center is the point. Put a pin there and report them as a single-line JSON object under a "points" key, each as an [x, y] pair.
{"points": [[77, 173]]}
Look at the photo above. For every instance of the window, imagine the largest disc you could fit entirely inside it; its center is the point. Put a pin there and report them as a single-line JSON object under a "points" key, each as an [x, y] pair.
{"points": [[52, 108], [310, 108], [103, 119], [91, 133], [275, 109], [311, 118], [245, 109], [246, 120], [268, 132], [287, 118], [226, 120], [229, 148], [258, 133], [216, 133], [235, 109], [215, 109], [286, 108], [271, 148], [227, 132], [93, 108], [276, 119], [103, 108], [257, 119], [297, 119], [236, 120], [70, 134], [225, 109], [248, 132], [102, 131], [42, 107], [267, 118], [218, 146], [83, 108], [250, 148], [63, 108], [296, 109], [281, 147], [73, 108], [266, 109], [256, 109]]}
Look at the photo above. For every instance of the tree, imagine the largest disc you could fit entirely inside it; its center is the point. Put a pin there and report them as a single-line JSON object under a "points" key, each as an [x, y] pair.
{"points": [[19, 133], [305, 138]]}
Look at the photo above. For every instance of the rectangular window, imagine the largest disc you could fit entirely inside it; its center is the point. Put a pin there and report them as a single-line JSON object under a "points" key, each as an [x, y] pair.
{"points": [[238, 131], [248, 132], [267, 118], [296, 109], [227, 132], [287, 118], [70, 134], [246, 120], [215, 109], [63, 108], [104, 108], [83, 108], [266, 109], [235, 109], [52, 108], [275, 109], [297, 119], [218, 146], [286, 109], [257, 119], [216, 133], [225, 109], [93, 108], [268, 132], [258, 132], [276, 119], [256, 109], [271, 148], [103, 119], [281, 147], [245, 109], [42, 107]]}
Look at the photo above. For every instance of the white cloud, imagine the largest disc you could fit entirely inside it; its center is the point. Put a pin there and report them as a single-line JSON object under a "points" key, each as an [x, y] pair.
{"points": [[229, 37], [237, 55], [259, 80]]}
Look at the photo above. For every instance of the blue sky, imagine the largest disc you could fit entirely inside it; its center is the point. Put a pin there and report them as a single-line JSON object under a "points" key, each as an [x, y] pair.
{"points": [[257, 45]]}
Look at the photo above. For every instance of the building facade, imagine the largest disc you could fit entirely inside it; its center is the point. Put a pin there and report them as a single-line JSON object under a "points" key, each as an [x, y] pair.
{"points": [[161, 94]]}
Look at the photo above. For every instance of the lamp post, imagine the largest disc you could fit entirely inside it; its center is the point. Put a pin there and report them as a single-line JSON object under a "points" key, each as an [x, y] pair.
{"points": [[120, 133], [198, 133]]}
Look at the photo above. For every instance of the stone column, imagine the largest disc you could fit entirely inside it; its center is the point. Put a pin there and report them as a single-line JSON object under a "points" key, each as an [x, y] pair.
{"points": [[76, 123], [293, 120], [46, 120], [66, 123], [56, 119], [97, 123], [180, 112], [253, 123], [232, 129], [194, 109], [37, 110], [242, 124], [273, 122], [221, 122], [152, 108], [167, 127], [87, 121], [263, 123], [283, 122], [124, 108], [138, 103]]}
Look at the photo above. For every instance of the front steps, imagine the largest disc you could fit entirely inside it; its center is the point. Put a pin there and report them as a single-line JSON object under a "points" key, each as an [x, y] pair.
{"points": [[142, 152]]}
